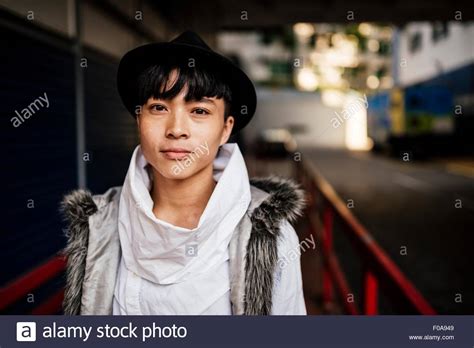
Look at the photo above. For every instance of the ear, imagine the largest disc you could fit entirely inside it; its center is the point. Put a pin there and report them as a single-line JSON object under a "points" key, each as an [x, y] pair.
{"points": [[228, 126]]}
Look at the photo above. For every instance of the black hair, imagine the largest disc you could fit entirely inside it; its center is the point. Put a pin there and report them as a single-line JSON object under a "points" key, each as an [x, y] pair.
{"points": [[200, 81]]}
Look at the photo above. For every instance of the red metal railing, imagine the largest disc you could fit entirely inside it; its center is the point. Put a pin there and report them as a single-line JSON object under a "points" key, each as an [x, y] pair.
{"points": [[324, 205], [29, 282]]}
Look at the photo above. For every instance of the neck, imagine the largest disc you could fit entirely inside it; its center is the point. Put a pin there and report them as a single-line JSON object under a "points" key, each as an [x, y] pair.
{"points": [[182, 202]]}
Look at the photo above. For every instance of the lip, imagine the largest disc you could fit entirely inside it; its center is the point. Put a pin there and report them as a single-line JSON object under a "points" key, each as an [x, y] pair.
{"points": [[175, 153]]}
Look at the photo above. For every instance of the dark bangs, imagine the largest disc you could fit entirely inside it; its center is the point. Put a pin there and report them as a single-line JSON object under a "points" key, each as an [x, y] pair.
{"points": [[200, 82]]}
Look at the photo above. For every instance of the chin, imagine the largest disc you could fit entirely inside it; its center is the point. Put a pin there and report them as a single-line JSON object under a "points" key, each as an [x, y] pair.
{"points": [[176, 170]]}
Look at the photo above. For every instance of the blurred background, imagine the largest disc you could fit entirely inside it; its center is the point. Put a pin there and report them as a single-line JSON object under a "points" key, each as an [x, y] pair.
{"points": [[369, 105]]}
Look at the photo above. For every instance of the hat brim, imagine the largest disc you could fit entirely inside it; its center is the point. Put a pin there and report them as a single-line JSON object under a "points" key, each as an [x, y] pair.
{"points": [[134, 62]]}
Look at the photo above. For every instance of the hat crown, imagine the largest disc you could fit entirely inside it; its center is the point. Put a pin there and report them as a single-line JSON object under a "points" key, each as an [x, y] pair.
{"points": [[189, 37]]}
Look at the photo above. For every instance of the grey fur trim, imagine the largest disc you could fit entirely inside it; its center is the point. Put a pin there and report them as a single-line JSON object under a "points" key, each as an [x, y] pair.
{"points": [[286, 201], [76, 208]]}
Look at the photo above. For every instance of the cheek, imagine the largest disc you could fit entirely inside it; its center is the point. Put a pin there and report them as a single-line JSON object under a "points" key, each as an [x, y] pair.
{"points": [[148, 133], [210, 141], [149, 141]]}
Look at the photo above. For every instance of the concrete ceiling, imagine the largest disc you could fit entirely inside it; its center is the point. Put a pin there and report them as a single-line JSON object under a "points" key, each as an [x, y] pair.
{"points": [[210, 15]]}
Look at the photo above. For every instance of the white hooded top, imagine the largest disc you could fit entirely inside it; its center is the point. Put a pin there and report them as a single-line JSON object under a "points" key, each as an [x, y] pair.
{"points": [[171, 270], [167, 269]]}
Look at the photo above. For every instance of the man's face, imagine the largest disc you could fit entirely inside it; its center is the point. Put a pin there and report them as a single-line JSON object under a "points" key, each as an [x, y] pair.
{"points": [[195, 126]]}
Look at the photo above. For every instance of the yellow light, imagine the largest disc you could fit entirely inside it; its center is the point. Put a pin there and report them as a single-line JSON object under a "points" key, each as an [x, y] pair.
{"points": [[333, 98], [307, 80], [332, 75], [373, 82], [356, 129], [303, 30], [365, 29], [373, 45]]}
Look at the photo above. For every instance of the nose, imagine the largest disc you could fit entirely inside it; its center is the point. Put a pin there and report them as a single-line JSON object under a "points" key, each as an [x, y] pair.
{"points": [[177, 126]]}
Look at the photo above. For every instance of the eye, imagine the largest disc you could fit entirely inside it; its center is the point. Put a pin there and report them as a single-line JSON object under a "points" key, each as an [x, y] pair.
{"points": [[201, 111], [157, 107]]}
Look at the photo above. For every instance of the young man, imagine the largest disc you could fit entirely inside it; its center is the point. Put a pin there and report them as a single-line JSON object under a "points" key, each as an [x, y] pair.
{"points": [[188, 232]]}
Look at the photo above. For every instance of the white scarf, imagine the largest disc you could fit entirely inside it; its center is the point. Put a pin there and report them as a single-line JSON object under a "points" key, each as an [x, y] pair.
{"points": [[157, 250]]}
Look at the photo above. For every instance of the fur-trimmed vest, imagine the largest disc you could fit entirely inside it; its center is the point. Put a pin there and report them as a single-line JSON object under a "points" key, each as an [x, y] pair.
{"points": [[93, 247]]}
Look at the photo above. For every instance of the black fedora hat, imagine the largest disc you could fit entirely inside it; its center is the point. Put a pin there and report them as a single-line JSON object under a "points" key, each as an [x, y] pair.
{"points": [[187, 46]]}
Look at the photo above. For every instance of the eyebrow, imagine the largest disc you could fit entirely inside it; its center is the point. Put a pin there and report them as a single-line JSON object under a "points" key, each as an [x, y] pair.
{"points": [[204, 100]]}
